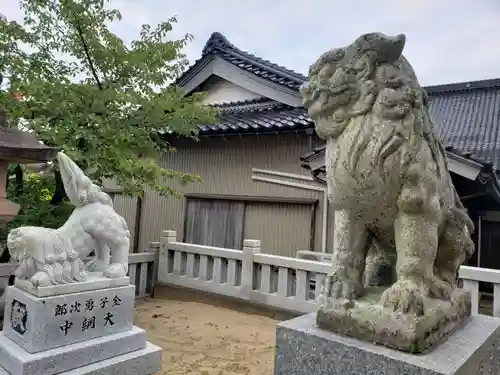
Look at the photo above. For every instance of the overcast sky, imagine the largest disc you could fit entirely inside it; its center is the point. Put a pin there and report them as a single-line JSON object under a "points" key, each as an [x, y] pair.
{"points": [[447, 40]]}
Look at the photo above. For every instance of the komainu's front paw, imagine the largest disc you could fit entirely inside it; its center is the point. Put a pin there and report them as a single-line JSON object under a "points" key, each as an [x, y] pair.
{"points": [[338, 293], [439, 288], [405, 296], [116, 270]]}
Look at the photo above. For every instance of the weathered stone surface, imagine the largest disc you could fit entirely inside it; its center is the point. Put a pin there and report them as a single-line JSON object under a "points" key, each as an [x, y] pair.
{"points": [[18, 361], [407, 332], [389, 185], [145, 361], [304, 349], [38, 324]]}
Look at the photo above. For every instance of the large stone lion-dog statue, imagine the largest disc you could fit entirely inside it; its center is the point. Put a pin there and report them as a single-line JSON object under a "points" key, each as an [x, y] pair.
{"points": [[387, 176]]}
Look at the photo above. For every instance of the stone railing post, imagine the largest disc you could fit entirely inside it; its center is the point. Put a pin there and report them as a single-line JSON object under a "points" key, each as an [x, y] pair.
{"points": [[250, 247], [167, 236]]}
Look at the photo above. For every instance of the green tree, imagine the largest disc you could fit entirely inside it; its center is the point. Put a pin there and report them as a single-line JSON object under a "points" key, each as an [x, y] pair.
{"points": [[106, 103]]}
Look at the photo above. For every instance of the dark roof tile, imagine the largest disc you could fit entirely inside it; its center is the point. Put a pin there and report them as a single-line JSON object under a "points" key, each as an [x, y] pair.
{"points": [[257, 116], [469, 121]]}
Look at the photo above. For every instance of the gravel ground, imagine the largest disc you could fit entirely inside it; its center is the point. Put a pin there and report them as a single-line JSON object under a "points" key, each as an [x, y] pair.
{"points": [[209, 335]]}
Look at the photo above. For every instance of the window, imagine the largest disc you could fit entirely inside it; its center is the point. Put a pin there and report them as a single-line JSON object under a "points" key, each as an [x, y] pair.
{"points": [[214, 223]]}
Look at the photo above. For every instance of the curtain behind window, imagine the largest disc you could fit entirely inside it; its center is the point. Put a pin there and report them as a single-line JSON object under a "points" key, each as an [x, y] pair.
{"points": [[215, 223]]}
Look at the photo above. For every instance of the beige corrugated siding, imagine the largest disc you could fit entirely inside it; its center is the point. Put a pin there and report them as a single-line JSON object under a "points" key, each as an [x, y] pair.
{"points": [[226, 168], [282, 228]]}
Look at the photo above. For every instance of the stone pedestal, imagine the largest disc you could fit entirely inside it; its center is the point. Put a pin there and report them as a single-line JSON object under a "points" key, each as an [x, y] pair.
{"points": [[304, 349], [69, 330], [369, 321]]}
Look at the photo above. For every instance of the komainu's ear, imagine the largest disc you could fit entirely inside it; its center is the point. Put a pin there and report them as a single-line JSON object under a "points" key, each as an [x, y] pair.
{"points": [[387, 48]]}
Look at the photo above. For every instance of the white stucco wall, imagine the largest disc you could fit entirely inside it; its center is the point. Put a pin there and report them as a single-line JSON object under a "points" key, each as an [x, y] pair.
{"points": [[221, 91]]}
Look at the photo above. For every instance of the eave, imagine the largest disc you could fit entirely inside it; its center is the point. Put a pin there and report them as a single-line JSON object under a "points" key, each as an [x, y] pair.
{"points": [[466, 167]]}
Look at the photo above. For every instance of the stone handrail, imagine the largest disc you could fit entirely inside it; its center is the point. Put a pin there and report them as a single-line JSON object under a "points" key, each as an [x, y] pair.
{"points": [[280, 282], [472, 276], [143, 270]]}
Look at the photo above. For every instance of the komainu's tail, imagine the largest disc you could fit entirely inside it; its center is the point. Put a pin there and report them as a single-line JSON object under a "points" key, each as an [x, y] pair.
{"points": [[79, 188]]}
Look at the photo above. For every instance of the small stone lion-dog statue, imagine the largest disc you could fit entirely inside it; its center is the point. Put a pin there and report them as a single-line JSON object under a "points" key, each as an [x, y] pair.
{"points": [[389, 184], [55, 256]]}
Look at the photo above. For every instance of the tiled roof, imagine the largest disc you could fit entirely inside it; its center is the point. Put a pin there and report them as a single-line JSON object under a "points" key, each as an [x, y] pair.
{"points": [[218, 45], [467, 114], [468, 118], [257, 116]]}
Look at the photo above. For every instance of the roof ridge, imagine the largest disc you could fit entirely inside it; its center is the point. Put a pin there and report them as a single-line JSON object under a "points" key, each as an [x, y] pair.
{"points": [[217, 40], [300, 78], [242, 102], [483, 84]]}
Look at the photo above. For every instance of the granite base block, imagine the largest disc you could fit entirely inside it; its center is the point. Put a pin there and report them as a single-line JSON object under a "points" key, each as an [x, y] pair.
{"points": [[304, 349], [17, 361], [146, 361], [95, 281], [37, 324]]}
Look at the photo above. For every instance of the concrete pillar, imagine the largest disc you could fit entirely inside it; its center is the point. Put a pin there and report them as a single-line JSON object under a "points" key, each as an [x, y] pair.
{"points": [[167, 237], [250, 247]]}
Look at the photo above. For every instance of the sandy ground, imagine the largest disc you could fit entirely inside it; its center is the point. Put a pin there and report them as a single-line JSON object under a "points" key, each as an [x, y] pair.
{"points": [[209, 335]]}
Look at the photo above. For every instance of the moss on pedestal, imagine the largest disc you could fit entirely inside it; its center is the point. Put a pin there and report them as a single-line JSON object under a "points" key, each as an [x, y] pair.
{"points": [[369, 321]]}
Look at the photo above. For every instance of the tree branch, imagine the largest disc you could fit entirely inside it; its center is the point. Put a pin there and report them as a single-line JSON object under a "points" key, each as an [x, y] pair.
{"points": [[87, 53]]}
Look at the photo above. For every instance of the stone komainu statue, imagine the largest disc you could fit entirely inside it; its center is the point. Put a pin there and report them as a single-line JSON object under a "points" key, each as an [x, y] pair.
{"points": [[55, 256], [387, 175]]}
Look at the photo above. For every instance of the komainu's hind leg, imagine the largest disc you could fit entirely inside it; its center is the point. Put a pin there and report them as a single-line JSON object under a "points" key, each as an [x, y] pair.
{"points": [[113, 233], [454, 246]]}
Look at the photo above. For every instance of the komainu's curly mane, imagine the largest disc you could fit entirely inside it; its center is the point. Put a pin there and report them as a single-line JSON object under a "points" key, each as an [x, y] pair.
{"points": [[45, 256], [371, 86]]}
